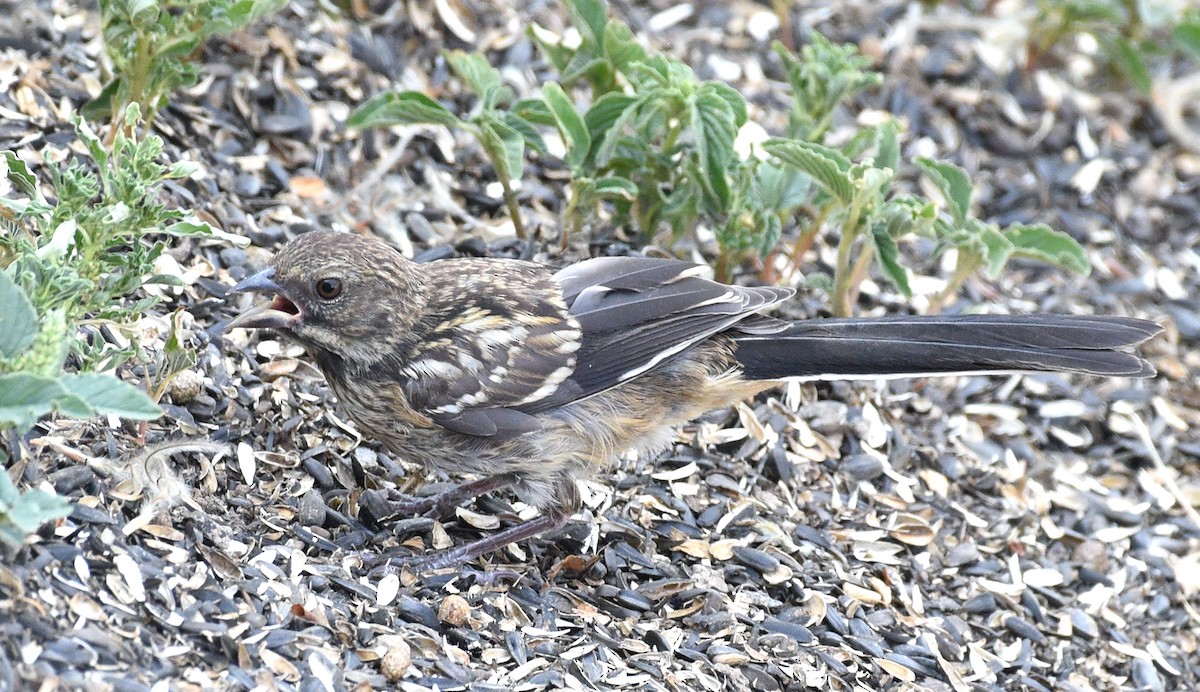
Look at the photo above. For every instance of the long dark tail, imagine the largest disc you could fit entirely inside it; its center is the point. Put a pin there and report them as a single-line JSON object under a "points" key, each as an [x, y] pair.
{"points": [[832, 349]]}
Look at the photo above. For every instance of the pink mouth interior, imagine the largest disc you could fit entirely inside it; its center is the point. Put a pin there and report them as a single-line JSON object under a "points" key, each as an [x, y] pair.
{"points": [[284, 305]]}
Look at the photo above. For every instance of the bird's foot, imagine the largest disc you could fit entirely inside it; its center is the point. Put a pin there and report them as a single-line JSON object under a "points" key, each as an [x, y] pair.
{"points": [[389, 504], [391, 563], [400, 505], [458, 556]]}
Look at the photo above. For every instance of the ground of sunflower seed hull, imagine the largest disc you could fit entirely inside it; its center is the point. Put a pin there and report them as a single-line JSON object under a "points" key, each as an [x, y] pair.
{"points": [[962, 534]]}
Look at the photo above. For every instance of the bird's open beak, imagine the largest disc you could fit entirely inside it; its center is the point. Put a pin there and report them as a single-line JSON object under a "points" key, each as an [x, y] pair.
{"points": [[279, 313]]}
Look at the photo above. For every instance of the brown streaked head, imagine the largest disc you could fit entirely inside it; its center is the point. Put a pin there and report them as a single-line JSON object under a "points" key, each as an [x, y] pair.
{"points": [[342, 293]]}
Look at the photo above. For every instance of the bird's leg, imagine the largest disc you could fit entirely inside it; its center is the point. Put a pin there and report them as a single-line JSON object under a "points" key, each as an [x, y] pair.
{"points": [[455, 557], [435, 506]]}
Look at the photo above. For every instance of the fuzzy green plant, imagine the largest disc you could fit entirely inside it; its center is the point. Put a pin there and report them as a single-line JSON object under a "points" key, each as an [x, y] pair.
{"points": [[78, 257], [1136, 39], [151, 45], [651, 148]]}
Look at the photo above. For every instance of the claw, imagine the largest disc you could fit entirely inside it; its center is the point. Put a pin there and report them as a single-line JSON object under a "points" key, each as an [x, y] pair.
{"points": [[424, 564]]}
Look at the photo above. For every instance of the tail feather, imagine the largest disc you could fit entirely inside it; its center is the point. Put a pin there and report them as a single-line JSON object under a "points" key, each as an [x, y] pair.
{"points": [[909, 346]]}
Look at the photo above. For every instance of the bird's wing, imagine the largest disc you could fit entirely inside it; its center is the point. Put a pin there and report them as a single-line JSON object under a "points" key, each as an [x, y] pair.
{"points": [[498, 338], [637, 312]]}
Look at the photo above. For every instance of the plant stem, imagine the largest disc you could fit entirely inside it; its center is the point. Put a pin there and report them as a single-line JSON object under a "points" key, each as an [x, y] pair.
{"points": [[859, 273], [805, 242], [782, 10], [571, 217], [722, 270], [514, 210], [841, 274], [965, 266], [841, 277]]}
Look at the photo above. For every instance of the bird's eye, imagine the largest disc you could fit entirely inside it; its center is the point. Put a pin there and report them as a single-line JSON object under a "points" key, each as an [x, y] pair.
{"points": [[329, 288]]}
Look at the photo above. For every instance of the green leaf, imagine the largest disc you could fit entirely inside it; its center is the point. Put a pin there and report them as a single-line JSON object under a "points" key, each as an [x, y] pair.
{"points": [[782, 188], [889, 258], [35, 508], [533, 139], [714, 129], [597, 71], [729, 95], [680, 207], [904, 214], [193, 226], [533, 110], [24, 398], [101, 107], [105, 394], [72, 406], [605, 111], [401, 108], [22, 513], [60, 242], [819, 281], [1187, 37], [180, 47], [589, 17], [182, 169], [92, 141], [244, 12], [872, 184], [478, 73], [19, 175], [505, 147], [615, 187], [550, 45], [827, 167], [768, 233], [8, 491], [605, 135], [954, 185], [1127, 57], [821, 79], [887, 145], [621, 47], [1041, 242], [18, 320], [571, 126], [996, 249]]}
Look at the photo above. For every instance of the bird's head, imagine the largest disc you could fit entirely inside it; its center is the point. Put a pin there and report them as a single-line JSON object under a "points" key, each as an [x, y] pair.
{"points": [[338, 293]]}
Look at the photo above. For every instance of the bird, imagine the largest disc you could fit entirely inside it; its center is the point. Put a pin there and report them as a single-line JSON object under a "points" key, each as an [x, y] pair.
{"points": [[529, 378]]}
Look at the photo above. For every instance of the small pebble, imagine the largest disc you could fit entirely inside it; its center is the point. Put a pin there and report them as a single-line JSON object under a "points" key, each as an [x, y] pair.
{"points": [[267, 236], [454, 610], [185, 386], [247, 185], [825, 416], [233, 257], [396, 661]]}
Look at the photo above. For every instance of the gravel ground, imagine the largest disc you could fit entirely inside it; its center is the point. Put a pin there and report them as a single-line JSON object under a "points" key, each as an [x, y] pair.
{"points": [[958, 534]]}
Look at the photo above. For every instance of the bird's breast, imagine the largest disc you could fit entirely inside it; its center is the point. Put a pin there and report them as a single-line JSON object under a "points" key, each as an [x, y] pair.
{"points": [[375, 401]]}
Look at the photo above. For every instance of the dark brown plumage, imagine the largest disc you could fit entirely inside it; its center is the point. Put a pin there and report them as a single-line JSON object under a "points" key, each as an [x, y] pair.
{"points": [[532, 378]]}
